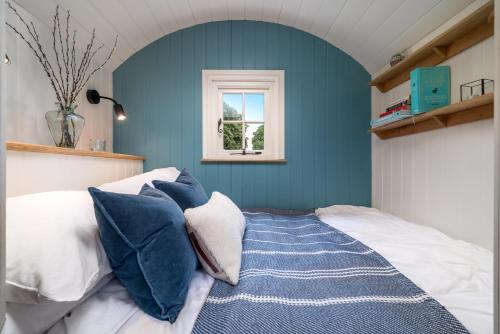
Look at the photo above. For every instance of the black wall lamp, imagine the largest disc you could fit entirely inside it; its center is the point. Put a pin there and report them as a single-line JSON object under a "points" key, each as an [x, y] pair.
{"points": [[94, 98]]}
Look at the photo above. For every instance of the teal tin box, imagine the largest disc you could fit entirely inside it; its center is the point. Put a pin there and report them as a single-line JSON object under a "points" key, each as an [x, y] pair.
{"points": [[430, 88]]}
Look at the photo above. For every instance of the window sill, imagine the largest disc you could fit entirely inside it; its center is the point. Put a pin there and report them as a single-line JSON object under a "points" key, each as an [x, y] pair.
{"points": [[262, 161]]}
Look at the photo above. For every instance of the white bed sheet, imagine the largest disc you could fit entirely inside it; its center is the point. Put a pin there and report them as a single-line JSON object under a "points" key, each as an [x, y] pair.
{"points": [[457, 274]]}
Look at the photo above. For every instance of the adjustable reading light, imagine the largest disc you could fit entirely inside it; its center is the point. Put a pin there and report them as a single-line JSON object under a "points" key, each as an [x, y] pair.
{"points": [[94, 98]]}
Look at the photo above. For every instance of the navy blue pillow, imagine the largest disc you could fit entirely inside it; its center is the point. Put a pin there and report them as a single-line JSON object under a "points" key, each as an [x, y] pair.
{"points": [[148, 248], [186, 190]]}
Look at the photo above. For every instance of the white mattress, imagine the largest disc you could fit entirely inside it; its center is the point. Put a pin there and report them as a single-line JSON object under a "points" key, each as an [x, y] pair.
{"points": [[457, 274]]}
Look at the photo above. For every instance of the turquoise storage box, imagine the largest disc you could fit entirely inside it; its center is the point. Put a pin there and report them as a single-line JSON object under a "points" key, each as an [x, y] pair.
{"points": [[430, 88]]}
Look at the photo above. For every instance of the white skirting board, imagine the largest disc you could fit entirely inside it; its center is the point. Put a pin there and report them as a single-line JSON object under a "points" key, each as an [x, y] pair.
{"points": [[30, 172]]}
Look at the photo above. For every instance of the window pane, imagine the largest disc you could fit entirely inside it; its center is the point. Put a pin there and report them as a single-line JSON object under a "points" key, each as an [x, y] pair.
{"points": [[254, 107], [233, 136], [232, 106], [254, 134]]}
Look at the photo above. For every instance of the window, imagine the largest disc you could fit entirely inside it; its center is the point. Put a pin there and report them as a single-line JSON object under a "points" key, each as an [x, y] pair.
{"points": [[243, 115]]}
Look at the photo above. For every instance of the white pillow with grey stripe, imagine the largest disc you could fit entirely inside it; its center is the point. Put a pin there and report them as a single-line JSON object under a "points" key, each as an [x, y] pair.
{"points": [[216, 230]]}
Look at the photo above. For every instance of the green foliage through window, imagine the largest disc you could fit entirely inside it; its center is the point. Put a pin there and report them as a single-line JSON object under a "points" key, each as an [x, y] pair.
{"points": [[233, 136], [258, 138]]}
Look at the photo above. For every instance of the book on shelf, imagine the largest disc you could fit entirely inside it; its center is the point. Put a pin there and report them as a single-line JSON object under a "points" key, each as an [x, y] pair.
{"points": [[395, 116]]}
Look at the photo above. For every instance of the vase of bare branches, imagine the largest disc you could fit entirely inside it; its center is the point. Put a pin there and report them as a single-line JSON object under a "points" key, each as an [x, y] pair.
{"points": [[65, 125], [67, 69]]}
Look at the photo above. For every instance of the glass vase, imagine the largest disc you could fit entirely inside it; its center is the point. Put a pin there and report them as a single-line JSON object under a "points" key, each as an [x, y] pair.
{"points": [[65, 125]]}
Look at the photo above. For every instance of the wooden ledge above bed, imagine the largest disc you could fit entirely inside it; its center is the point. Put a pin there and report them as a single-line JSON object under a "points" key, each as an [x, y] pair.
{"points": [[467, 111], [25, 147]]}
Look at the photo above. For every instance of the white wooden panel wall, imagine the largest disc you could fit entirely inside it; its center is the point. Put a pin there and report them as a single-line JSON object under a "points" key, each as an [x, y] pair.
{"points": [[2, 169], [29, 172], [29, 95], [496, 287], [442, 178]]}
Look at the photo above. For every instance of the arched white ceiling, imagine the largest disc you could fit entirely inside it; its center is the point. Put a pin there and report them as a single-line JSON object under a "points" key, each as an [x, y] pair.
{"points": [[368, 30]]}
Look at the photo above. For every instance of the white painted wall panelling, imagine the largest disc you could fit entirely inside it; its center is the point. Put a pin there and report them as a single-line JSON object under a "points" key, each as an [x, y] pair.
{"points": [[29, 94], [496, 235], [369, 30], [442, 178], [2, 168], [29, 172]]}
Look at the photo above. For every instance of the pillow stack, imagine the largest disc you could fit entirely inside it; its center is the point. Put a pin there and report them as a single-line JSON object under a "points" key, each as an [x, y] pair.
{"points": [[54, 255], [146, 239], [150, 238]]}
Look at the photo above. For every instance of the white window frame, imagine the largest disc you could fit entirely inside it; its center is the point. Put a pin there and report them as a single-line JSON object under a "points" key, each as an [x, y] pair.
{"points": [[269, 82]]}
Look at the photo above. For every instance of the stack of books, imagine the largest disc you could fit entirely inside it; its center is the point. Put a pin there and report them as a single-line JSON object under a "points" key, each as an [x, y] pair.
{"points": [[394, 112]]}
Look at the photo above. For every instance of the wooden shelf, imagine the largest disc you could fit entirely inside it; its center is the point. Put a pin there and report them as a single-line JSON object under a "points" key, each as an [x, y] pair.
{"points": [[458, 113], [25, 147], [471, 30]]}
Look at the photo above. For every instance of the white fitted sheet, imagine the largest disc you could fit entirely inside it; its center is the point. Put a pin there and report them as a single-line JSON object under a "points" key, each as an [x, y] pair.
{"points": [[457, 274]]}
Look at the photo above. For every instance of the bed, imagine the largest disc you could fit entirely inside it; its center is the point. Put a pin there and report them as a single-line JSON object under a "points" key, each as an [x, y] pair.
{"points": [[458, 275]]}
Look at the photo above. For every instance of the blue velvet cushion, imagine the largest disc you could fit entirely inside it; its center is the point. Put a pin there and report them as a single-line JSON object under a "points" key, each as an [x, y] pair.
{"points": [[147, 245], [186, 190]]}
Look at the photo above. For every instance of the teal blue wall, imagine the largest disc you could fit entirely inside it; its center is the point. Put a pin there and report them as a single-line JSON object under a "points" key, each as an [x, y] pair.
{"points": [[327, 113]]}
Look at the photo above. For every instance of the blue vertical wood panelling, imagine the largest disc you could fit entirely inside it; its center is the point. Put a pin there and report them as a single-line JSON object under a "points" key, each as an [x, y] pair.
{"points": [[327, 112]]}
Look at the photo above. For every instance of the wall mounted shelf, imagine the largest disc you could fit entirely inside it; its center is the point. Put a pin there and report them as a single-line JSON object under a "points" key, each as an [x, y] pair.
{"points": [[471, 30], [457, 113], [26, 147]]}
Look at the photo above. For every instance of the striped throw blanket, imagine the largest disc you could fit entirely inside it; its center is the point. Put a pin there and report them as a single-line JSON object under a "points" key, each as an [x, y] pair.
{"points": [[299, 275]]}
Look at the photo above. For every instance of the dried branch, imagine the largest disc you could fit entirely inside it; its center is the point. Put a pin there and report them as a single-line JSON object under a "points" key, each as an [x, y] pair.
{"points": [[38, 53], [67, 52], [69, 68], [100, 66], [62, 50], [51, 79], [73, 63], [54, 25]]}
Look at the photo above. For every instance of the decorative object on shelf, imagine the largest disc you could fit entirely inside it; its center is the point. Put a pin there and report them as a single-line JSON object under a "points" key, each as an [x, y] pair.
{"points": [[97, 145], [396, 110], [65, 125], [476, 88], [67, 74], [398, 57], [430, 88], [94, 98]]}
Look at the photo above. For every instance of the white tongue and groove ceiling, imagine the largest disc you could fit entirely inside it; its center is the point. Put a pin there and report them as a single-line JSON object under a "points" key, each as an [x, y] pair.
{"points": [[368, 30]]}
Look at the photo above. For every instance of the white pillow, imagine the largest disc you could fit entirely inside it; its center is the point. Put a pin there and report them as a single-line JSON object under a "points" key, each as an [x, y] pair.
{"points": [[54, 252], [132, 185], [216, 230], [38, 318]]}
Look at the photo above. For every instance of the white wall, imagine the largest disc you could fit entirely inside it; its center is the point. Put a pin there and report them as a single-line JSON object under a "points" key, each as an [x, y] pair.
{"points": [[442, 178], [2, 170], [496, 287], [29, 94], [31, 172]]}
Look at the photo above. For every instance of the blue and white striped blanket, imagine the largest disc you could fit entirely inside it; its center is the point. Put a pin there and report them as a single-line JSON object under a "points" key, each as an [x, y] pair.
{"points": [[299, 275]]}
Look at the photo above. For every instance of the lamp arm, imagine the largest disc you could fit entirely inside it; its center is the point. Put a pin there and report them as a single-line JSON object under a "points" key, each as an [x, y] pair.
{"points": [[108, 98]]}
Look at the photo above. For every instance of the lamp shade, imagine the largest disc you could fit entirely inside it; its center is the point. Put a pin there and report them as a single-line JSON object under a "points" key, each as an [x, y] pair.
{"points": [[119, 112]]}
